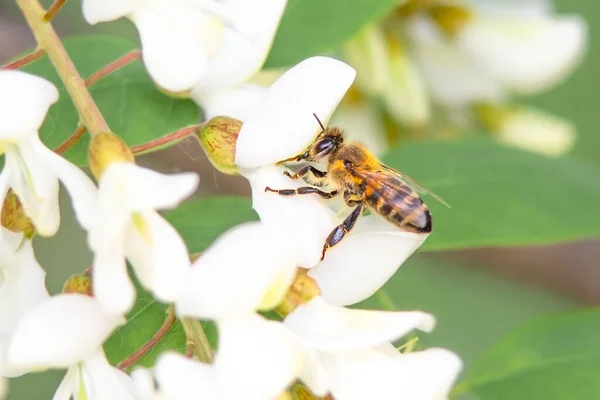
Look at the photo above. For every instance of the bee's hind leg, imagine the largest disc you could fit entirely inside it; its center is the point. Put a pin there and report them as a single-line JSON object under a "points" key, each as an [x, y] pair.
{"points": [[338, 233], [303, 190]]}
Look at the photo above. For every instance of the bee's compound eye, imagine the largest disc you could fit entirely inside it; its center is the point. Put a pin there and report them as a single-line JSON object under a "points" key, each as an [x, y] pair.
{"points": [[324, 147]]}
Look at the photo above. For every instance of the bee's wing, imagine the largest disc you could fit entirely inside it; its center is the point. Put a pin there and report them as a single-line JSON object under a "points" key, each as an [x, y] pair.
{"points": [[411, 182]]}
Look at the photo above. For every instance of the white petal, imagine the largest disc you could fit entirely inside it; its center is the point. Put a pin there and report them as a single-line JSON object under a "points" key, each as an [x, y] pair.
{"points": [[238, 103], [114, 205], [243, 52], [233, 277], [263, 357], [24, 102], [37, 187], [330, 328], [175, 40], [363, 262], [105, 382], [452, 78], [283, 125], [65, 389], [95, 11], [144, 189], [61, 331], [305, 219], [161, 253], [526, 54], [112, 287], [80, 187], [182, 378], [427, 375], [22, 286], [361, 122], [538, 131]]}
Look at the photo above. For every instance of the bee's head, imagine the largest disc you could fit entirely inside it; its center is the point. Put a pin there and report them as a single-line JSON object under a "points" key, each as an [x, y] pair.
{"points": [[328, 140]]}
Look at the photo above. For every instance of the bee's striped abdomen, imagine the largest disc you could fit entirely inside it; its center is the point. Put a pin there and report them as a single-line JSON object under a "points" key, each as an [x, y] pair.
{"points": [[404, 208]]}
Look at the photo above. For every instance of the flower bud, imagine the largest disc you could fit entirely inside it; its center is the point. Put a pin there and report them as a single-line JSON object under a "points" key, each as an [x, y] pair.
{"points": [[300, 392], [14, 218], [106, 148], [218, 138], [451, 19], [528, 128], [79, 283], [301, 291]]}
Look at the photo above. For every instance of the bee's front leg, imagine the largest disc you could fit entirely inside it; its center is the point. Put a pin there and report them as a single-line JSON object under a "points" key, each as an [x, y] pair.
{"points": [[338, 233], [315, 177], [303, 190]]}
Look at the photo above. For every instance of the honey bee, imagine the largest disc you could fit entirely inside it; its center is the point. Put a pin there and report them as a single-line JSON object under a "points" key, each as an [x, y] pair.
{"points": [[363, 180]]}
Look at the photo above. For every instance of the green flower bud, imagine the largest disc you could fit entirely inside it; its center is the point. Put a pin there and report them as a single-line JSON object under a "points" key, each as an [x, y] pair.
{"points": [[79, 283], [301, 291]]}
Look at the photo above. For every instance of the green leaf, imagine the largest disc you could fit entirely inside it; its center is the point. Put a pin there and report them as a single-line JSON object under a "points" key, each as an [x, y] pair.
{"points": [[201, 221], [501, 196], [129, 101], [143, 322], [312, 27], [553, 357]]}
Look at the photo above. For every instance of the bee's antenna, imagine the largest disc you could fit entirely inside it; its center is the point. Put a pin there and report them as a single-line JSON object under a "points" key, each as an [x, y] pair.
{"points": [[319, 121]]}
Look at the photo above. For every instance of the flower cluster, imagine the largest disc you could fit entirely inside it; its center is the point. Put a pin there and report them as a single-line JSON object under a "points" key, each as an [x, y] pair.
{"points": [[469, 59]]}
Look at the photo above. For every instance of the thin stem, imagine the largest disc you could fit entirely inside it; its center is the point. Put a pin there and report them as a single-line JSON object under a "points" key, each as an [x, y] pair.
{"points": [[385, 300], [161, 141], [150, 344], [112, 67], [48, 40], [26, 59], [71, 140], [196, 336], [53, 9]]}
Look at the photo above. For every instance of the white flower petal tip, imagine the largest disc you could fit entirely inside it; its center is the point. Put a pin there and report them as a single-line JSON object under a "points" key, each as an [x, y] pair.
{"points": [[331, 328], [181, 378], [434, 372], [245, 269], [24, 102], [60, 331], [350, 273], [538, 131], [283, 124], [95, 11], [177, 40], [527, 55]]}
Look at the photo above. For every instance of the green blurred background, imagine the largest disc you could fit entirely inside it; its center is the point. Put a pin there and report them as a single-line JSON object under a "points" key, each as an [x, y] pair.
{"points": [[477, 296]]}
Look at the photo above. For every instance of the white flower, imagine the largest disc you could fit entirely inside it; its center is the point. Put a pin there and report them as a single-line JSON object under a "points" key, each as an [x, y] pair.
{"points": [[31, 169], [238, 102], [125, 225], [248, 268], [385, 69], [67, 331], [22, 287], [351, 358], [203, 44], [281, 127], [537, 131], [498, 47], [254, 361]]}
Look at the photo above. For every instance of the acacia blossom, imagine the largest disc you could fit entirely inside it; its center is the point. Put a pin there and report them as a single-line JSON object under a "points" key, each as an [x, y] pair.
{"points": [[31, 169]]}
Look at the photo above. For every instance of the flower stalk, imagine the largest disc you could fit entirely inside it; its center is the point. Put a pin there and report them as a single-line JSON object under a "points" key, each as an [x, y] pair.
{"points": [[49, 42], [197, 338], [26, 59], [150, 344]]}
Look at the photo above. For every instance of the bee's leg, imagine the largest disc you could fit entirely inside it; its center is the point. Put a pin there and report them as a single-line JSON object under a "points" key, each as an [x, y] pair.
{"points": [[315, 177], [303, 190], [352, 199], [338, 233]]}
